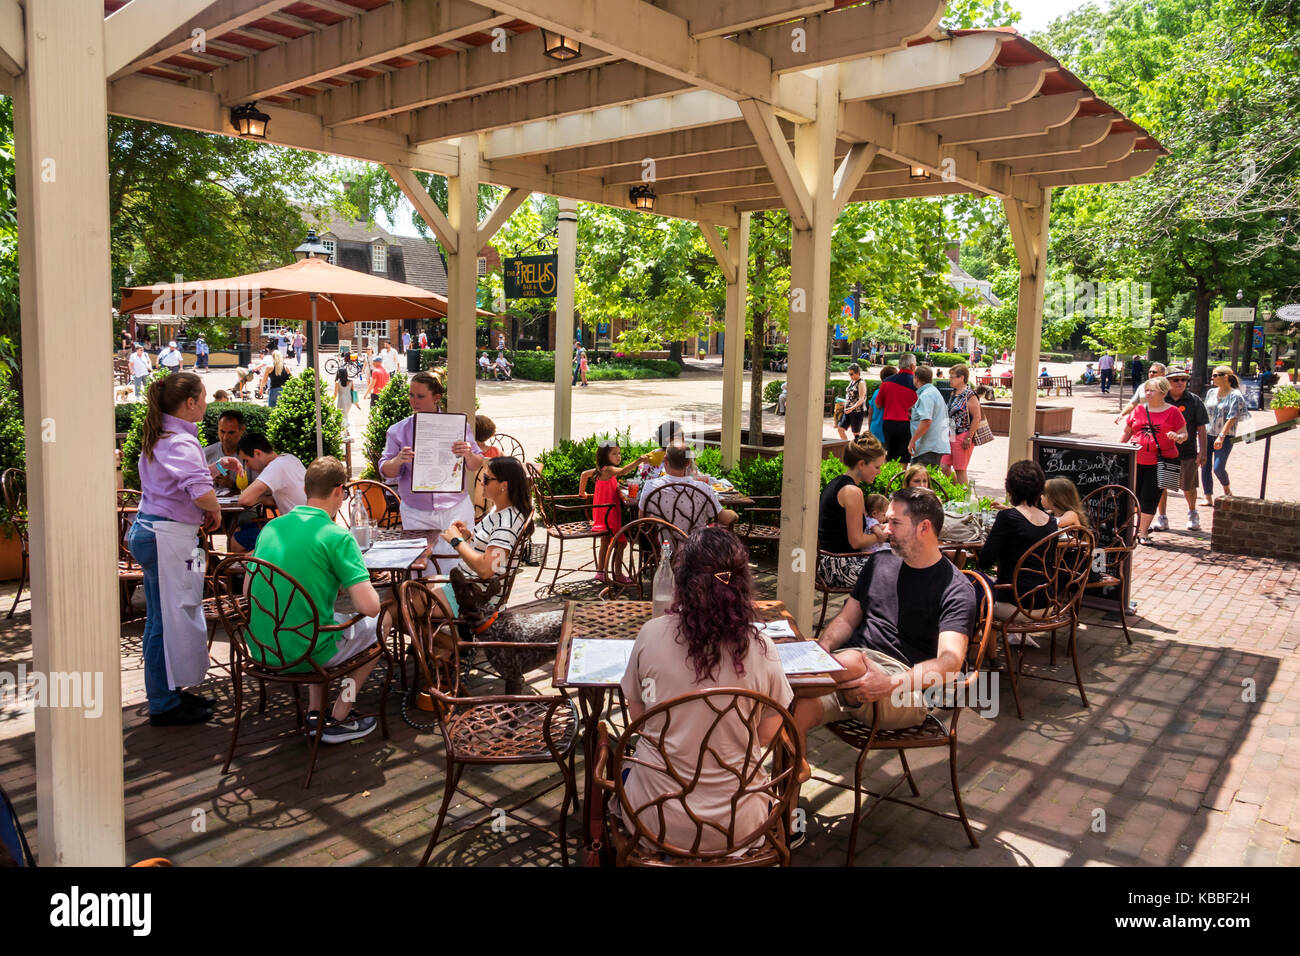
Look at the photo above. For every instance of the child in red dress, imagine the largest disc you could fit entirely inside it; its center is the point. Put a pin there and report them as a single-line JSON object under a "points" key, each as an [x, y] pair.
{"points": [[607, 499]]}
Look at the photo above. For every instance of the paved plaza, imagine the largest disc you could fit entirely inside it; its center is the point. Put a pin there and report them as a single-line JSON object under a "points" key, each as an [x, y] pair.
{"points": [[1188, 754]]}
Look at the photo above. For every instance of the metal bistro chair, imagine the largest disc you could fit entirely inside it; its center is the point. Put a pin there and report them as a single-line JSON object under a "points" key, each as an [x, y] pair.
{"points": [[1047, 587], [129, 573], [554, 509], [667, 831], [292, 614], [752, 528], [508, 444], [932, 732], [489, 730], [687, 505], [13, 485], [827, 590], [633, 557], [1113, 514], [382, 503]]}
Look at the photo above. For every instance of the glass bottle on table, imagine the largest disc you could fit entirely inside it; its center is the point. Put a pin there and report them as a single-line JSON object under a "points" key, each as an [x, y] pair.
{"points": [[664, 583], [360, 517]]}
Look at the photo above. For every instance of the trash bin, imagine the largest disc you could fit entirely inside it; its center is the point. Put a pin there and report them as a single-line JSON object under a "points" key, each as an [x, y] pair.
{"points": [[413, 360], [243, 353]]}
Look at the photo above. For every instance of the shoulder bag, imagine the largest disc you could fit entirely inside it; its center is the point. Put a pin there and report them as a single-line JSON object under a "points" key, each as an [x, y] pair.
{"points": [[1168, 470]]}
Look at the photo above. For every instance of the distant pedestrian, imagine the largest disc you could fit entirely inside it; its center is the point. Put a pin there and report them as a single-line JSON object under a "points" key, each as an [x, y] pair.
{"points": [[299, 345], [1106, 368], [171, 358], [406, 342], [201, 351], [141, 369], [424, 339], [1135, 370]]}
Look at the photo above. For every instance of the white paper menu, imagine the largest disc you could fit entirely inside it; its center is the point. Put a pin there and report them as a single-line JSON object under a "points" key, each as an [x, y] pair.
{"points": [[806, 657], [597, 661], [435, 468]]}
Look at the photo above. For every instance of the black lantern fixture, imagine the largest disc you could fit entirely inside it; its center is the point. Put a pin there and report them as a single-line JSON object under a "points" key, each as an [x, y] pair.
{"points": [[559, 47], [312, 248], [249, 121], [920, 174], [642, 198]]}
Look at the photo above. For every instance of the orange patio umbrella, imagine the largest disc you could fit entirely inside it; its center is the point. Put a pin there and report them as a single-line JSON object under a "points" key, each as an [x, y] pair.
{"points": [[307, 290]]}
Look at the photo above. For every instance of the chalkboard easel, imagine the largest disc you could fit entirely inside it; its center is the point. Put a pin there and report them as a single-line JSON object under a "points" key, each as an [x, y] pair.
{"points": [[1092, 465]]}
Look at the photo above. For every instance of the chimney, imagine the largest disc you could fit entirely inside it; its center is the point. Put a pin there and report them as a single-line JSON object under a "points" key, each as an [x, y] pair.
{"points": [[954, 252]]}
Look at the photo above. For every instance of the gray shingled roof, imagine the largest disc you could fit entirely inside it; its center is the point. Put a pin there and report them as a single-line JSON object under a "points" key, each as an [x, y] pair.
{"points": [[355, 231], [424, 265]]}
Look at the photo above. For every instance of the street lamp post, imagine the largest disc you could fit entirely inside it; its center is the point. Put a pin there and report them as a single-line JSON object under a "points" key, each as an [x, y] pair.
{"points": [[310, 249]]}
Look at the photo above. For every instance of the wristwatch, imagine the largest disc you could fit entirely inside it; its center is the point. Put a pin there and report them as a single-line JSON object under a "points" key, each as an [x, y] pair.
{"points": [[456, 542]]}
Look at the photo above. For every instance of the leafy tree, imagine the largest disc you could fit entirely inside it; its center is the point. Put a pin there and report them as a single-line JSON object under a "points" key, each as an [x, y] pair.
{"points": [[292, 426], [10, 319], [389, 408], [967, 14]]}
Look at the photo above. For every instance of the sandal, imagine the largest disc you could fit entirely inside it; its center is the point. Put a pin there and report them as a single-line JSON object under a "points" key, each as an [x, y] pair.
{"points": [[1145, 541]]}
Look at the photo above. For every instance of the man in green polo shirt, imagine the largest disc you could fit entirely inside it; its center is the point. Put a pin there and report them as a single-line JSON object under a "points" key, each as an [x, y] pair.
{"points": [[323, 557]]}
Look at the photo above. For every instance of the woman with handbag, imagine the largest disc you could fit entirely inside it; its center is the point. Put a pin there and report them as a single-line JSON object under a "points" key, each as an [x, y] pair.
{"points": [[968, 427], [1156, 427], [345, 393], [1226, 408]]}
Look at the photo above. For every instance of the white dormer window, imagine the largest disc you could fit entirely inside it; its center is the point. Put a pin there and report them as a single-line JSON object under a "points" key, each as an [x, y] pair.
{"points": [[329, 250], [378, 257]]}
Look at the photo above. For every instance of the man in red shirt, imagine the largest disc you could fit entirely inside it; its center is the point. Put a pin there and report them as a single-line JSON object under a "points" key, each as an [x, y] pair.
{"points": [[378, 379], [895, 397]]}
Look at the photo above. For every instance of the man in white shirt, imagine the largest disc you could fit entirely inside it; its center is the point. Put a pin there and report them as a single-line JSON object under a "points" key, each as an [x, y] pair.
{"points": [[503, 368], [141, 369], [388, 355], [678, 508], [171, 358], [485, 365], [279, 477]]}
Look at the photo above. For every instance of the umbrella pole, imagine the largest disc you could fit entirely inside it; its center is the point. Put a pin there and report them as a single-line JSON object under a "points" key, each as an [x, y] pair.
{"points": [[313, 337]]}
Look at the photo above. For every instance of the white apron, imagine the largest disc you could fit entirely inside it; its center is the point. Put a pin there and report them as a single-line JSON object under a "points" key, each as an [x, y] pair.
{"points": [[181, 565], [439, 519]]}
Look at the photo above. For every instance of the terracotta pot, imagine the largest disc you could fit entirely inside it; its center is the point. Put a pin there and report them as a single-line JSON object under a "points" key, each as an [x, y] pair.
{"points": [[11, 555], [1286, 414]]}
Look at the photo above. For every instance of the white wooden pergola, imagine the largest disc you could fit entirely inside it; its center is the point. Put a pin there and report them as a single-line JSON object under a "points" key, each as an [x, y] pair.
{"points": [[731, 105]]}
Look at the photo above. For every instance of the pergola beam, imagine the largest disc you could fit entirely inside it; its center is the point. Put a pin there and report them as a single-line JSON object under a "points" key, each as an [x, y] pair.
{"points": [[655, 38], [835, 36], [776, 153], [1082, 133], [615, 84], [468, 73], [850, 173], [499, 214], [433, 217], [657, 146], [728, 16], [702, 164], [1130, 167], [1110, 150], [395, 29], [216, 20], [920, 68], [13, 46], [1032, 118], [129, 30], [993, 92]]}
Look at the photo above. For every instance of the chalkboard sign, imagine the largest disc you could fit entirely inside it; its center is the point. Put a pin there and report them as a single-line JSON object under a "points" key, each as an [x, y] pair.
{"points": [[1092, 465]]}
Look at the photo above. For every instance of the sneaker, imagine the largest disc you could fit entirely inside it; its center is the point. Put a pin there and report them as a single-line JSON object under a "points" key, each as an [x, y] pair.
{"points": [[188, 698], [351, 728], [181, 715], [1193, 521], [1161, 523]]}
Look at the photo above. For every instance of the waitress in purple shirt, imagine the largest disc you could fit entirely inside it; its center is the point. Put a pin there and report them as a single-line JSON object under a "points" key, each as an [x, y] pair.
{"points": [[177, 498], [428, 510]]}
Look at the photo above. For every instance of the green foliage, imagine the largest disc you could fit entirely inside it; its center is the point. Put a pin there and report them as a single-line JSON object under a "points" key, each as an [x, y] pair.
{"points": [[389, 408], [432, 358], [772, 391], [123, 415], [10, 323], [968, 14], [291, 428], [1056, 356], [256, 419], [564, 464], [13, 443], [758, 476], [134, 434], [539, 366], [1287, 396]]}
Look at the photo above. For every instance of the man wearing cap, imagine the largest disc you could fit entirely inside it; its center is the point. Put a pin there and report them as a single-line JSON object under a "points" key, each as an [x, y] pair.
{"points": [[1191, 453], [171, 358]]}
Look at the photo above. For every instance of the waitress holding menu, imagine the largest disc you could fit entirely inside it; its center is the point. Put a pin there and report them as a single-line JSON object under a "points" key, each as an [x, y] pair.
{"points": [[428, 511]]}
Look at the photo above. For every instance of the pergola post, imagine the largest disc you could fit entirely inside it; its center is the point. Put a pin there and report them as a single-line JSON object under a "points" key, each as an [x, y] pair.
{"points": [[733, 260], [462, 280], [567, 227], [1029, 230], [61, 158], [810, 273]]}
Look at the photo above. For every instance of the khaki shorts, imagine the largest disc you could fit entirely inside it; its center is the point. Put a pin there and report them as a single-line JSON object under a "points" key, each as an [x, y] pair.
{"points": [[351, 642], [1188, 474], [893, 716]]}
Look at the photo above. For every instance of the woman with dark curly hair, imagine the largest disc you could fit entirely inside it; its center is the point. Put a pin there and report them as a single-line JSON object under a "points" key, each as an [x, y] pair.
{"points": [[707, 639]]}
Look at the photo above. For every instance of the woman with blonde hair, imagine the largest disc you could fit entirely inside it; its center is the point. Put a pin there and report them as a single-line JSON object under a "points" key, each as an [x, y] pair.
{"points": [[1157, 428], [1226, 407], [1061, 499], [274, 377]]}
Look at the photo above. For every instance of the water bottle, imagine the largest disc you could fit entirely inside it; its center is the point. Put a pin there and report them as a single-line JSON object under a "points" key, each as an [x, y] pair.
{"points": [[661, 588], [360, 521]]}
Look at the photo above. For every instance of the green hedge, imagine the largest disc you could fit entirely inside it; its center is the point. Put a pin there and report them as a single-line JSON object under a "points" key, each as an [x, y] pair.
{"points": [[539, 366], [256, 418], [772, 390], [1055, 357], [123, 415], [388, 408], [291, 426]]}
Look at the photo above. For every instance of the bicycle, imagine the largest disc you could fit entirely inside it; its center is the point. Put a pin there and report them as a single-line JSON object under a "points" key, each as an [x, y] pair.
{"points": [[353, 366]]}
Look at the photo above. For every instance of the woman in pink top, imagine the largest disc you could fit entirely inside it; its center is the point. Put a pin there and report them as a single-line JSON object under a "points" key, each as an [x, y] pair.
{"points": [[1156, 427], [707, 639]]}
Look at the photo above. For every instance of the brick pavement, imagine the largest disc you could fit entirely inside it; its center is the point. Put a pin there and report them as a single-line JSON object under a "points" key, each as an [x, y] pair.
{"points": [[1188, 755]]}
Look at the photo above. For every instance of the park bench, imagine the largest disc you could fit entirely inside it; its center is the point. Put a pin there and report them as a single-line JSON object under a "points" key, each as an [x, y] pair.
{"points": [[1057, 382]]}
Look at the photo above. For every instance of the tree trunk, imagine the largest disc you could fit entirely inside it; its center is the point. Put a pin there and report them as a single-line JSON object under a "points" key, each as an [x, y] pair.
{"points": [[675, 353], [1201, 339], [1160, 346], [756, 343]]}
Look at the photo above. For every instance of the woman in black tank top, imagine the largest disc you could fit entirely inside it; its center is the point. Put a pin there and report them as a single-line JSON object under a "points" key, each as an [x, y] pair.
{"points": [[841, 520]]}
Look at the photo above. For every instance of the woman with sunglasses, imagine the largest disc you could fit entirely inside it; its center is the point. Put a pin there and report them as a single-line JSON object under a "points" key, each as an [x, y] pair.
{"points": [[483, 552], [1226, 406]]}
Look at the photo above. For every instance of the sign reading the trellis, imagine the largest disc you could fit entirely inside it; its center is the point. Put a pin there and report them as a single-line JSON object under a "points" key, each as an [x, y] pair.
{"points": [[530, 277]]}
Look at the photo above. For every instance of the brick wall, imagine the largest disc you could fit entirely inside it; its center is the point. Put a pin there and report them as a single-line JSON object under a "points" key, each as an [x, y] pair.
{"points": [[1265, 529]]}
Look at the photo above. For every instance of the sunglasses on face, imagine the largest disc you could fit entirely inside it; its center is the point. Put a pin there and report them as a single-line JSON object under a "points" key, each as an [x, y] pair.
{"points": [[487, 478]]}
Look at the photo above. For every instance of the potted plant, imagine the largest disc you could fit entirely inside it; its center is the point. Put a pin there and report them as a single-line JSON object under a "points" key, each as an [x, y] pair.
{"points": [[1286, 403]]}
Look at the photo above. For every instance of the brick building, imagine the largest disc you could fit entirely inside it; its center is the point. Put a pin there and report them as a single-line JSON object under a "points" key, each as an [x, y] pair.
{"points": [[958, 336]]}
